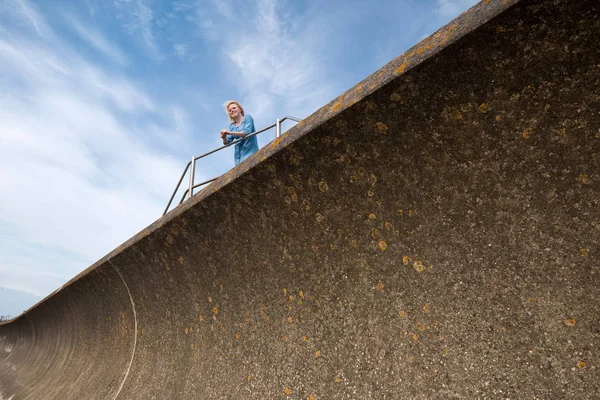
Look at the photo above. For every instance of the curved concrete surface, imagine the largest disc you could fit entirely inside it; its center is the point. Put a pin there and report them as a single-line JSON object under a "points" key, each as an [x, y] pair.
{"points": [[431, 234]]}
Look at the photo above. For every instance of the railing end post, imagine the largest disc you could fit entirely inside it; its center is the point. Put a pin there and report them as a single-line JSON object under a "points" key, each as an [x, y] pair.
{"points": [[278, 129]]}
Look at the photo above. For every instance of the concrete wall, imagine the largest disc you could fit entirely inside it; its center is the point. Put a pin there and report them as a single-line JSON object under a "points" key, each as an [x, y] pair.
{"points": [[431, 234]]}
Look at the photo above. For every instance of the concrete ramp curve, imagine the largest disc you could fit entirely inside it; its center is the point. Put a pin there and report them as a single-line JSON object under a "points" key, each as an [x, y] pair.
{"points": [[433, 233]]}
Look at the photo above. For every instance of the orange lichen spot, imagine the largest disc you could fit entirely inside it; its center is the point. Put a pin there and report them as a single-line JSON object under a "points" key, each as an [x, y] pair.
{"points": [[372, 179], [483, 108], [382, 127], [418, 266], [311, 397], [304, 338], [180, 260], [421, 327], [338, 379], [215, 310], [452, 113], [583, 179], [370, 193], [288, 391], [237, 335], [249, 378], [301, 294], [388, 225], [319, 217], [372, 216], [276, 141], [192, 346], [527, 132], [581, 364], [374, 233], [570, 322], [422, 49], [527, 90], [209, 299], [336, 106], [411, 212], [442, 338], [401, 68], [332, 246], [156, 295], [532, 300], [185, 331], [561, 132], [399, 212], [498, 117], [200, 317], [290, 320], [284, 291], [500, 28], [382, 245], [379, 286], [318, 354], [466, 107], [584, 252], [291, 298], [406, 260], [402, 314], [426, 308], [415, 337], [323, 186]]}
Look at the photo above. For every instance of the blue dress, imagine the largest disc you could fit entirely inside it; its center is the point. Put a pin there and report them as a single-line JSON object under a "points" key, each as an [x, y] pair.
{"points": [[246, 147]]}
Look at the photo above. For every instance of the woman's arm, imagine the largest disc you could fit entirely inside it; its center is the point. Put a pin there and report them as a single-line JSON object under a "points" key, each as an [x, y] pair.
{"points": [[247, 127]]}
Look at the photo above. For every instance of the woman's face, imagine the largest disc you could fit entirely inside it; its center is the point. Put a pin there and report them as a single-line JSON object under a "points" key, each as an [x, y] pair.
{"points": [[233, 110]]}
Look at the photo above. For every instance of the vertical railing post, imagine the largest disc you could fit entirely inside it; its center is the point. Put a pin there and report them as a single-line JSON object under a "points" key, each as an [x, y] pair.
{"points": [[278, 129], [192, 172]]}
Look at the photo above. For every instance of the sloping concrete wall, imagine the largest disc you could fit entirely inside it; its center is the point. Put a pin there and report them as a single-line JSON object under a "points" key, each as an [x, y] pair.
{"points": [[431, 234]]}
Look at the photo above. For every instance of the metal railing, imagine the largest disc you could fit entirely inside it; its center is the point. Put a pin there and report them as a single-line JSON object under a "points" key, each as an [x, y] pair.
{"points": [[189, 192]]}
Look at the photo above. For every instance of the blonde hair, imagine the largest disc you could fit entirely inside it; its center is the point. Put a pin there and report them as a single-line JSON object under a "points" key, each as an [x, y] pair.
{"points": [[230, 102]]}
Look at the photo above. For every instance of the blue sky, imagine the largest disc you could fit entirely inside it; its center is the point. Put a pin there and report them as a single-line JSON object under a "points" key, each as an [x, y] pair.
{"points": [[102, 103]]}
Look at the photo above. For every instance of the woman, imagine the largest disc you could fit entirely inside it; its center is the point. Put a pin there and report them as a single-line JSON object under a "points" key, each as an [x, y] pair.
{"points": [[240, 125]]}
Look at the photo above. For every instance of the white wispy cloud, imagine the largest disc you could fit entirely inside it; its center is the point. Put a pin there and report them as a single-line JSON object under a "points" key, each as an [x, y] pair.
{"points": [[276, 67], [89, 166], [224, 7], [28, 13], [139, 19], [97, 40], [179, 49]]}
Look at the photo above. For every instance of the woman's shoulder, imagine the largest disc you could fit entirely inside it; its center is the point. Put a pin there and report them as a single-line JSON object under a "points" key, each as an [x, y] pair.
{"points": [[248, 117]]}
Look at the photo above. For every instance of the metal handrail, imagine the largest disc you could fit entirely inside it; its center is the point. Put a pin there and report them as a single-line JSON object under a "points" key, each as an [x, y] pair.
{"points": [[189, 191]]}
